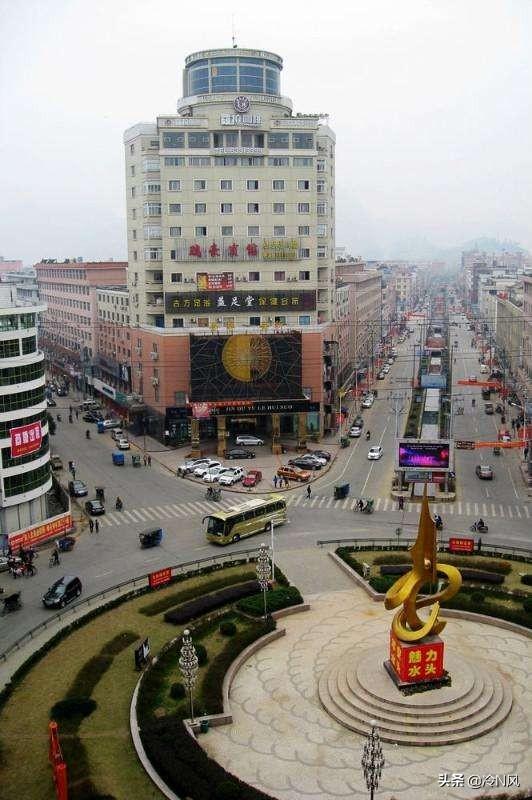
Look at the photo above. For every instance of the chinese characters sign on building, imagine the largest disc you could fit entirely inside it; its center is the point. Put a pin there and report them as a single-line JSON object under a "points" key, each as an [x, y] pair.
{"points": [[461, 545], [215, 282], [280, 249], [25, 439], [274, 301], [417, 661], [242, 120], [249, 408]]}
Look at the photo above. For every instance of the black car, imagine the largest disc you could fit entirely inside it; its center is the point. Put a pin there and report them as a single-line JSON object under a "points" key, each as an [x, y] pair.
{"points": [[239, 452], [304, 463], [92, 416], [62, 592], [322, 454], [94, 507], [77, 489]]}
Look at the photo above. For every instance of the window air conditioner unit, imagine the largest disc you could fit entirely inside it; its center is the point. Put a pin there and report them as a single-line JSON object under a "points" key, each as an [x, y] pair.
{"points": [[155, 381], [154, 355]]}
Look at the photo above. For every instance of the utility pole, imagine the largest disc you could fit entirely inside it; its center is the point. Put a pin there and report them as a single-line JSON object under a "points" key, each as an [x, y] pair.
{"points": [[397, 408]]}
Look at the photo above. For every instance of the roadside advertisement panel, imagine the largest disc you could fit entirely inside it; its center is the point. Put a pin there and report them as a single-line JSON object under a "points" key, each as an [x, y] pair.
{"points": [[432, 455], [215, 282], [25, 439], [160, 577], [54, 527], [461, 545], [279, 302]]}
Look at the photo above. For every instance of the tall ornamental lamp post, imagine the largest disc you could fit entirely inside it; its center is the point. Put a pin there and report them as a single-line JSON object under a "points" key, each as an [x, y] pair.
{"points": [[188, 665], [263, 572], [372, 760]]}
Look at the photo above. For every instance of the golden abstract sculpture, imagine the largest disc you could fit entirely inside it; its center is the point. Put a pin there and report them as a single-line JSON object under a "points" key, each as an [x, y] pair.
{"points": [[407, 625]]}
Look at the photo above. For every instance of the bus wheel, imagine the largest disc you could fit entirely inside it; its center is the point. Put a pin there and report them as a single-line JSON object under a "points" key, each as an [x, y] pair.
{"points": [[236, 538]]}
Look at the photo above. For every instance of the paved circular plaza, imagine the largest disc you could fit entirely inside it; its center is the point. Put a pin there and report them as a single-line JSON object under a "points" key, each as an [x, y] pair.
{"points": [[284, 742]]}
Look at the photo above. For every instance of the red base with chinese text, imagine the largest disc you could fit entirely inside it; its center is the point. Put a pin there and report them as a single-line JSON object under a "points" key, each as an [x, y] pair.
{"points": [[416, 662]]}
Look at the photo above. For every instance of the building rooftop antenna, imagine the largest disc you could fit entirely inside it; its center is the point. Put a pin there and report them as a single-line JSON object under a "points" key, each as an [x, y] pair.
{"points": [[233, 37]]}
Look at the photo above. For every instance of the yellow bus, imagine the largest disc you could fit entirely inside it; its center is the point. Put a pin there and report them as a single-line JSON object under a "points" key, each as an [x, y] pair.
{"points": [[245, 519]]}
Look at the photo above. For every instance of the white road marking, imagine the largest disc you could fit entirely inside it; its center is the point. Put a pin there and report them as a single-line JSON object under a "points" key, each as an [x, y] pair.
{"points": [[138, 515], [377, 503], [518, 512], [493, 512], [323, 499], [410, 507], [346, 503], [385, 506], [510, 513], [484, 509], [298, 500], [103, 574], [161, 510], [527, 513], [459, 508], [476, 509], [502, 510], [129, 515], [175, 512], [150, 513], [450, 510], [329, 503]]}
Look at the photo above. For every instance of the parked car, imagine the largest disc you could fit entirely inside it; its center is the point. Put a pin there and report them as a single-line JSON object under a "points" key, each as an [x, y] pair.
{"points": [[55, 462], [117, 433], [200, 470], [239, 452], [484, 472], [231, 476], [374, 453], [303, 462], [368, 401], [472, 379], [212, 474], [358, 421], [386, 369], [92, 416], [391, 361], [189, 466], [122, 443], [62, 592], [381, 376], [484, 369], [95, 508], [293, 473], [355, 432], [247, 439], [321, 454], [112, 423], [253, 477], [488, 408], [77, 489]]}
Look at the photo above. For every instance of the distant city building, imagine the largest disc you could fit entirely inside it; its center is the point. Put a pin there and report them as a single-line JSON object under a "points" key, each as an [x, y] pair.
{"points": [[10, 265], [112, 369]]}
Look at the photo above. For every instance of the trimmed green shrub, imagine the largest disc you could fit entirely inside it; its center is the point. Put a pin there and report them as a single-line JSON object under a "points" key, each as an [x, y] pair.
{"points": [[467, 574], [527, 579], [381, 583], [477, 598], [208, 602], [72, 707], [228, 790], [176, 598], [346, 554], [227, 628], [280, 577], [275, 600], [527, 605], [393, 558], [177, 691], [201, 653]]}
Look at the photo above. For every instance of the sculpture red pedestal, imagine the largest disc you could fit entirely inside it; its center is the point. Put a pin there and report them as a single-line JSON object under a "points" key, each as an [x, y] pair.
{"points": [[415, 662]]}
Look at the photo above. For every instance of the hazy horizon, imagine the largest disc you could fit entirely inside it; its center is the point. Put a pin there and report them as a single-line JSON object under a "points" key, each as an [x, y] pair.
{"points": [[429, 101]]}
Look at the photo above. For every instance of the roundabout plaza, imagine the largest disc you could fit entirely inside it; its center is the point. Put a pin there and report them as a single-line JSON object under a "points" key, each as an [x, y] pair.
{"points": [[439, 702]]}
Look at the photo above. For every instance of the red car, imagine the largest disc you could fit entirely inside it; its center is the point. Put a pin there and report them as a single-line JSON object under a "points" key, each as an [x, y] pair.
{"points": [[253, 477]]}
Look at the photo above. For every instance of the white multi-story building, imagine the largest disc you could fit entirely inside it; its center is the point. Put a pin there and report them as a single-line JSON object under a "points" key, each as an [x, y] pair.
{"points": [[230, 203], [25, 476]]}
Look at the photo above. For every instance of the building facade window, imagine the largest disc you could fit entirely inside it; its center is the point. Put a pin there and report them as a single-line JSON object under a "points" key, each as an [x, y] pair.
{"points": [[226, 185], [226, 208], [279, 230], [303, 208], [199, 140], [200, 230], [304, 230], [303, 185], [200, 185], [278, 208], [278, 161], [303, 141], [252, 185], [278, 141], [253, 277], [175, 231], [278, 185], [200, 208], [174, 186], [174, 208], [253, 230], [279, 275], [253, 208], [173, 139], [303, 161], [227, 230]]}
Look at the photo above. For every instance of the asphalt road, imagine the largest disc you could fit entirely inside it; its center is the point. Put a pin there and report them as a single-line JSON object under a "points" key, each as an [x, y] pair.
{"points": [[153, 495]]}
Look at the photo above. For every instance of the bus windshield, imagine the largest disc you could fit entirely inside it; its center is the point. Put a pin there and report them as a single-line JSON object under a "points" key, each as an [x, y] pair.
{"points": [[215, 526]]}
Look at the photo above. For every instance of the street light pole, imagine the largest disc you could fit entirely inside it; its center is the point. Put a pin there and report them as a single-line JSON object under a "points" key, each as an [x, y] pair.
{"points": [[263, 572], [188, 665], [372, 760]]}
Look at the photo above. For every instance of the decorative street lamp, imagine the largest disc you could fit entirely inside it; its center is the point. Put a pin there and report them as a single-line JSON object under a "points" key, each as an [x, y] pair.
{"points": [[188, 665], [372, 760], [263, 572]]}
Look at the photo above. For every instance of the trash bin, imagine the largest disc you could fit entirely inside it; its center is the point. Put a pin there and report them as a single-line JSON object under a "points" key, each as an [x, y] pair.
{"points": [[341, 491], [344, 441], [204, 725]]}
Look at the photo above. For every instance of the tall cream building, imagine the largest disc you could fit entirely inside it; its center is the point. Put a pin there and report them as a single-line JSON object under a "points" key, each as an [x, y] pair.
{"points": [[230, 204]]}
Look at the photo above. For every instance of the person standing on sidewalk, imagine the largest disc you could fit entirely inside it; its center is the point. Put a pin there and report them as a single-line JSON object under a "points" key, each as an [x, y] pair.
{"points": [[275, 481], [97, 526], [91, 525], [309, 492], [149, 460]]}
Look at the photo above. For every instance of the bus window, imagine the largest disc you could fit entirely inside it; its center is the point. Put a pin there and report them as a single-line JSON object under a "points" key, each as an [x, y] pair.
{"points": [[215, 526]]}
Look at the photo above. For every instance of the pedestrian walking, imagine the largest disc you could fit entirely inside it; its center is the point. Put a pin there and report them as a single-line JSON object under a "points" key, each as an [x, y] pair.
{"points": [[77, 414], [97, 526], [149, 460], [401, 502], [91, 525], [275, 481], [145, 460], [525, 453], [513, 424], [309, 492], [70, 410]]}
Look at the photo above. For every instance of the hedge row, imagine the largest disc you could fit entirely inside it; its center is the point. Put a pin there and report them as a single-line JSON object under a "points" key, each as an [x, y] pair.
{"points": [[208, 602], [346, 554], [500, 567], [159, 605], [467, 574], [186, 768], [284, 597], [527, 579]]}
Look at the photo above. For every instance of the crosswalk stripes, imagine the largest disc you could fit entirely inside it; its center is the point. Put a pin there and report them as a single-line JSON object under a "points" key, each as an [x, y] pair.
{"points": [[527, 514], [150, 513], [377, 503], [163, 511], [518, 512]]}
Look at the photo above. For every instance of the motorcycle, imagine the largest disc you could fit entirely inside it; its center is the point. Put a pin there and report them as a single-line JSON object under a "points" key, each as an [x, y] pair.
{"points": [[368, 436], [476, 528], [11, 603], [439, 524]]}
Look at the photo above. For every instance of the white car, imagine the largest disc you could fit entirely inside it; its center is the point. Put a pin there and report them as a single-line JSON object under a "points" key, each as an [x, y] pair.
{"points": [[386, 369], [355, 432], [200, 471], [374, 453], [368, 401], [117, 433], [391, 361], [231, 476], [484, 369], [212, 474], [122, 443], [244, 438], [189, 466], [112, 423]]}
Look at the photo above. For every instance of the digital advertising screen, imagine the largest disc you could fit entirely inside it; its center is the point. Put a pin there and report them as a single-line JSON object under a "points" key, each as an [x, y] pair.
{"points": [[413, 454], [245, 367]]}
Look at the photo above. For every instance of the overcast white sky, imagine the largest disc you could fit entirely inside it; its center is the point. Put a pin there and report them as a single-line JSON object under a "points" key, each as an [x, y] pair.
{"points": [[430, 101]]}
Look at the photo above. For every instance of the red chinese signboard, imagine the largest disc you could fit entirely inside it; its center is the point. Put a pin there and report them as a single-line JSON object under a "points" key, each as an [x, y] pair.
{"points": [[39, 533], [160, 577], [25, 439], [215, 282], [457, 545], [415, 662]]}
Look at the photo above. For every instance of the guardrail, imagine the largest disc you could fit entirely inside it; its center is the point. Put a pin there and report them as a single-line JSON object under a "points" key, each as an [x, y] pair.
{"points": [[494, 550], [125, 586]]}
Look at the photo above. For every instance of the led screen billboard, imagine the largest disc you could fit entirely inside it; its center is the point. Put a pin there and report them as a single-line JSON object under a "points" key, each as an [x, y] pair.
{"points": [[245, 367], [413, 454]]}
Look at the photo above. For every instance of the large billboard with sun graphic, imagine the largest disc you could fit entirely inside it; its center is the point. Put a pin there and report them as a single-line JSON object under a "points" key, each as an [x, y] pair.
{"points": [[245, 367]]}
